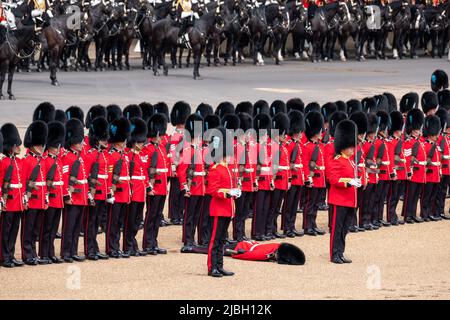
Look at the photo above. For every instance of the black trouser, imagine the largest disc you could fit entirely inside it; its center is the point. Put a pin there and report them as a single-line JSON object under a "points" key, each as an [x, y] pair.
{"points": [[176, 200], [323, 196], [217, 242], [131, 226], [367, 204], [71, 230], [261, 209], [442, 194], [30, 222], [93, 218], [155, 205], [290, 212], [428, 200], [191, 217], [392, 200], [206, 222], [381, 195], [275, 206], [242, 209], [49, 228], [9, 228], [116, 211], [313, 196], [342, 217], [412, 194]]}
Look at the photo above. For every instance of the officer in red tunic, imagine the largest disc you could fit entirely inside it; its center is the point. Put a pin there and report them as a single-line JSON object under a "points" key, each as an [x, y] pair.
{"points": [[54, 180], [344, 181], [415, 156], [97, 166], [119, 190], [12, 194], [156, 168], [444, 146], [35, 200], [75, 193]]}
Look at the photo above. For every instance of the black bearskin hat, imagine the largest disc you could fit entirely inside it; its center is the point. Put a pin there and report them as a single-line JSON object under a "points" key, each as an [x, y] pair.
{"points": [[295, 104], [245, 121], [353, 106], [392, 101], [382, 103], [341, 106], [132, 111], [156, 125], [432, 126], [439, 80], [119, 130], [75, 112], [429, 101], [74, 132], [408, 102], [147, 110], [312, 106], [397, 121], [384, 120], [161, 107], [94, 112], [98, 131], [56, 134], [372, 123], [345, 136], [244, 106], [277, 106], [45, 111], [211, 121], [444, 99], [327, 110], [335, 118], [261, 106], [1, 142], [36, 134], [180, 111], [290, 254], [230, 121], [194, 125], [11, 137], [361, 121], [262, 121], [113, 112], [297, 122], [313, 124], [414, 120], [61, 116], [138, 129], [221, 139], [443, 116], [204, 109], [281, 123], [224, 108], [369, 105]]}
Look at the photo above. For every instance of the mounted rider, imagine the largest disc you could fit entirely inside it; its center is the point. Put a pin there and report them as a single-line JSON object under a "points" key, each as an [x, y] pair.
{"points": [[187, 11], [40, 12]]}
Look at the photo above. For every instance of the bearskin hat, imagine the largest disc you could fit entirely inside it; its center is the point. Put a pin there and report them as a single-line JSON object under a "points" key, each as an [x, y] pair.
{"points": [[74, 132], [373, 123], [444, 99], [1, 143], [119, 130], [147, 110], [277, 106], [61, 116], [224, 108], [313, 124], [162, 107], [262, 121], [369, 105], [261, 106], [281, 123], [341, 106], [56, 134], [245, 120], [132, 111], [94, 112], [45, 111], [353, 106], [439, 80], [244, 106], [442, 114], [288, 253], [204, 109], [194, 125], [382, 103], [138, 131], [230, 121], [335, 118], [75, 112], [11, 137], [36, 134], [429, 101], [384, 121], [180, 111], [296, 121], [113, 112], [392, 101], [345, 136], [327, 110], [361, 121], [312, 106], [156, 125], [408, 102], [211, 121], [221, 138], [295, 104], [98, 131], [397, 121], [414, 120], [431, 126]]}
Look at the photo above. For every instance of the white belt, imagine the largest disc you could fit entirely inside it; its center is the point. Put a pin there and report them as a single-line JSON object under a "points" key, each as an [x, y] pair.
{"points": [[40, 184], [127, 178], [248, 170], [102, 176], [84, 181], [436, 164], [321, 168], [15, 185], [385, 163], [422, 163], [298, 166], [162, 170], [361, 165], [58, 183], [199, 174], [446, 157], [283, 168], [235, 170], [137, 177], [265, 168]]}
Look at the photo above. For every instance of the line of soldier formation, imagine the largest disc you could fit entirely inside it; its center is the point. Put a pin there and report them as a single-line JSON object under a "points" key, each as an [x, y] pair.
{"points": [[118, 175], [162, 26]]}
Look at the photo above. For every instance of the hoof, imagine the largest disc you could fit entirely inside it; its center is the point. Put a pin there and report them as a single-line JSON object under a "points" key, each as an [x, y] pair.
{"points": [[166, 72], [2, 97], [55, 83], [156, 73], [128, 67], [11, 97]]}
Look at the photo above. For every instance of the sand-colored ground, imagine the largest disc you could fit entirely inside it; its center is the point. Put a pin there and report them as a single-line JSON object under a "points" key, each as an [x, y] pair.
{"points": [[405, 262]]}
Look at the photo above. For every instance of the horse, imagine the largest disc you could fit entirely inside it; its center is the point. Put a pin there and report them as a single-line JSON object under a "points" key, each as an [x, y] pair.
{"points": [[298, 17], [257, 29], [401, 23], [381, 36], [277, 19], [416, 30], [144, 18], [97, 24]]}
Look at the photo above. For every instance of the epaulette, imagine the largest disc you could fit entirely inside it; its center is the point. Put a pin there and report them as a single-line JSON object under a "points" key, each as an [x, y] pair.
{"points": [[215, 165], [337, 157], [2, 156], [111, 151]]}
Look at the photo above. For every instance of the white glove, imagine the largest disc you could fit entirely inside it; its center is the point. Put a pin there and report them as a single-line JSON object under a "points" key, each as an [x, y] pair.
{"points": [[355, 182], [235, 192], [36, 13], [111, 200]]}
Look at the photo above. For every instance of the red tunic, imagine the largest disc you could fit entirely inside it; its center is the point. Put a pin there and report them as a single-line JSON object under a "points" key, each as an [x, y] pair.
{"points": [[373, 176], [342, 170], [433, 171], [173, 141], [328, 154], [14, 201], [255, 251], [37, 200], [385, 167], [297, 175], [79, 195], [283, 175], [266, 171], [445, 151], [55, 192], [161, 174], [397, 163], [139, 177], [417, 169], [221, 181], [249, 175], [318, 174], [123, 189], [197, 187], [94, 156]]}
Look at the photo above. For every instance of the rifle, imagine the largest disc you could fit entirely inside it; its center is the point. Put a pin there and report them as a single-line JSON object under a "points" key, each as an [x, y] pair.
{"points": [[190, 172], [73, 175], [6, 183], [31, 183], [93, 179], [152, 170], [242, 163]]}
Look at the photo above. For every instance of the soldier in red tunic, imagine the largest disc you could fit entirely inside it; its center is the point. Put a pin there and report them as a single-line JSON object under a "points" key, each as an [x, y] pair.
{"points": [[12, 194], [444, 146], [344, 181]]}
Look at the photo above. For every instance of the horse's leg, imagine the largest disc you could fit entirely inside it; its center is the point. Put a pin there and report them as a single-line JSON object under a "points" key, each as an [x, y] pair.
{"points": [[216, 50], [156, 53], [209, 45], [11, 69], [180, 55], [188, 58], [197, 52], [3, 70], [53, 56]]}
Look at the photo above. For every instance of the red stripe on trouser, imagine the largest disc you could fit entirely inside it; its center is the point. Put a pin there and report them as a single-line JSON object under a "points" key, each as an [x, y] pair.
{"points": [[333, 227], [211, 243]]}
